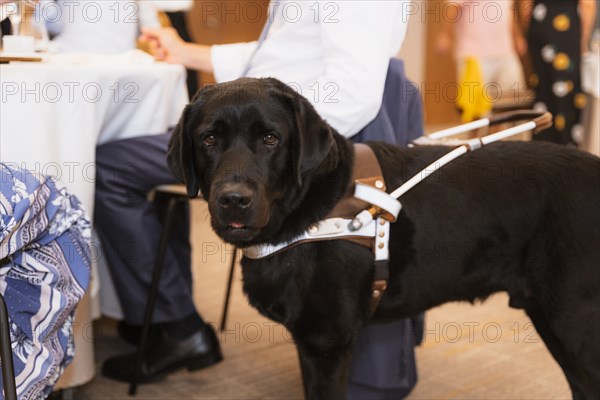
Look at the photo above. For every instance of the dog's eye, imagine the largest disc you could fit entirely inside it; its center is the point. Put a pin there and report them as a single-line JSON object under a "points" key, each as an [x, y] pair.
{"points": [[270, 140], [209, 140]]}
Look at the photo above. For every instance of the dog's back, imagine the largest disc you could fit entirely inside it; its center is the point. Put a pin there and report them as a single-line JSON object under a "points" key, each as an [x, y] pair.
{"points": [[517, 217]]}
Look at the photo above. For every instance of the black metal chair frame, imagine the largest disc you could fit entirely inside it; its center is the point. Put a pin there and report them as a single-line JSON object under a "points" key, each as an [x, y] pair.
{"points": [[8, 370], [176, 195]]}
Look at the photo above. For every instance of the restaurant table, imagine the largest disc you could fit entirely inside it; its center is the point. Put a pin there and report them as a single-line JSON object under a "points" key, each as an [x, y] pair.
{"points": [[53, 114]]}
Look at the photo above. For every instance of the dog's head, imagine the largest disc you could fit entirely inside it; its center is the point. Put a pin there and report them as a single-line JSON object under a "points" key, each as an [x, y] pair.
{"points": [[248, 146]]}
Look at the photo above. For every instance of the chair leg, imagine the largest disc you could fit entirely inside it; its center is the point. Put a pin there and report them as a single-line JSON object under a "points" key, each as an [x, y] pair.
{"points": [[228, 292], [8, 370], [156, 274]]}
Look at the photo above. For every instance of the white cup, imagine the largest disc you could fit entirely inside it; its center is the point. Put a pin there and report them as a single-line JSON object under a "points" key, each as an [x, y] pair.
{"points": [[18, 44]]}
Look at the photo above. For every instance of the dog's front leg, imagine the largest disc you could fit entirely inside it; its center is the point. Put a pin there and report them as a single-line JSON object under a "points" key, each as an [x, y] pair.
{"points": [[324, 373]]}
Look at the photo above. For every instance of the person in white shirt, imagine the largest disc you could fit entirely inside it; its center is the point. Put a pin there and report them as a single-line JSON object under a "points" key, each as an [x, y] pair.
{"points": [[337, 55], [344, 54]]}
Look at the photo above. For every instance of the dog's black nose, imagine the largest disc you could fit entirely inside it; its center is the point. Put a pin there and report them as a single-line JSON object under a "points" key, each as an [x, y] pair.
{"points": [[235, 196]]}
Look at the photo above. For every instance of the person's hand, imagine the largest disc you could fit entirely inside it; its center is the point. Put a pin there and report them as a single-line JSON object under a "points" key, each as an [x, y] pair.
{"points": [[164, 44]]}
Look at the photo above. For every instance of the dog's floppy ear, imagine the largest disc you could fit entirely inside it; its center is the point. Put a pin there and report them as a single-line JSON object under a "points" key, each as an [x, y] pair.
{"points": [[313, 137], [180, 156]]}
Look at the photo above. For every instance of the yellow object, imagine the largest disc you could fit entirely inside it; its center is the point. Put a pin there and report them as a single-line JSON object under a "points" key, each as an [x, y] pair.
{"points": [[561, 22], [580, 100], [561, 62], [559, 122], [471, 98]]}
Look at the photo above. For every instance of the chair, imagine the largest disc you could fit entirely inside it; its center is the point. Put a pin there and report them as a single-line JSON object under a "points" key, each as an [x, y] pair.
{"points": [[176, 195], [8, 371]]}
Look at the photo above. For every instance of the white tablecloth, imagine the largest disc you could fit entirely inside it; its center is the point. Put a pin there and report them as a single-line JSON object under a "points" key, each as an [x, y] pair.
{"points": [[52, 115]]}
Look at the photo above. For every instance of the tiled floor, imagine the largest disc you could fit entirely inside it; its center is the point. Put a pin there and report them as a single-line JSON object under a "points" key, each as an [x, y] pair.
{"points": [[483, 351]]}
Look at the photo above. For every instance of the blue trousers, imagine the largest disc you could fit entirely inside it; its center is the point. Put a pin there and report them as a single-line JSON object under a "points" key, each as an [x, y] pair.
{"points": [[129, 228]]}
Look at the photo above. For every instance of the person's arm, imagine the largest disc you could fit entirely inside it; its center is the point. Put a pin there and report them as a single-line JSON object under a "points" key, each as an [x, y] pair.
{"points": [[356, 57], [225, 61], [165, 44], [587, 15]]}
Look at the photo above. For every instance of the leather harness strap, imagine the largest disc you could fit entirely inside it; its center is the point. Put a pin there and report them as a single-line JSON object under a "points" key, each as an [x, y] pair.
{"points": [[366, 168], [368, 171]]}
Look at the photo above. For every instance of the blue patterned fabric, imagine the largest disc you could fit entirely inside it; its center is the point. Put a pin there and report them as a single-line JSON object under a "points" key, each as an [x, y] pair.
{"points": [[44, 272]]}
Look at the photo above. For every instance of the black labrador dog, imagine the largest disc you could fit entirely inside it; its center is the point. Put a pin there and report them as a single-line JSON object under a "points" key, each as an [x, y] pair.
{"points": [[517, 217]]}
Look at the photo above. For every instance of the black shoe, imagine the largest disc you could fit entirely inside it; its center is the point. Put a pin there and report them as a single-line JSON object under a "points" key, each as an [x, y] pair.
{"points": [[168, 355]]}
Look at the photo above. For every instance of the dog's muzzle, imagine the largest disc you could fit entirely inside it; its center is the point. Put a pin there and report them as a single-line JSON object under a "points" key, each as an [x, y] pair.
{"points": [[234, 197]]}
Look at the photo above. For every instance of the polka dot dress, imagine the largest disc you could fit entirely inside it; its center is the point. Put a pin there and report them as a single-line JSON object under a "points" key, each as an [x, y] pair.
{"points": [[554, 42]]}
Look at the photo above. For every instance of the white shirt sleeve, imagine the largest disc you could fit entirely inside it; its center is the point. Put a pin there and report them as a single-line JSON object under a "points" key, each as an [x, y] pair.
{"points": [[229, 60], [357, 50]]}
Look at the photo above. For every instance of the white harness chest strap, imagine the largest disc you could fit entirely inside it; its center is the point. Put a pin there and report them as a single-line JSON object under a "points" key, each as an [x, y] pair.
{"points": [[332, 228]]}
